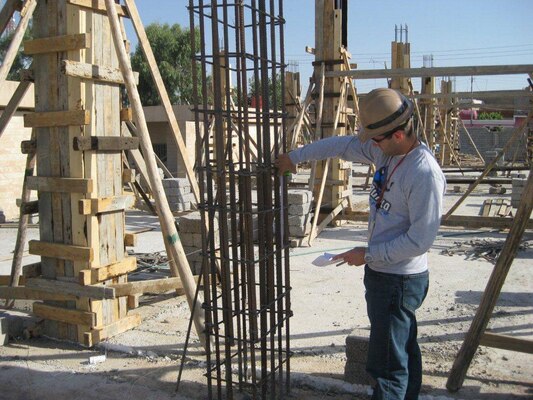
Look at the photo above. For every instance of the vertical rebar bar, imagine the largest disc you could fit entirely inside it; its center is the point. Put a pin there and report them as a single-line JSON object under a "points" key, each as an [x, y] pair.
{"points": [[247, 302]]}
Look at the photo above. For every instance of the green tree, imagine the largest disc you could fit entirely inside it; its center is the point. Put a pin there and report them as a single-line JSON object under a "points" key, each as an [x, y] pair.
{"points": [[171, 46], [21, 60], [273, 90]]}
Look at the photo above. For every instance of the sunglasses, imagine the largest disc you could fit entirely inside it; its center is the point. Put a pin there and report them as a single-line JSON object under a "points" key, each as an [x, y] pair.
{"points": [[387, 136]]}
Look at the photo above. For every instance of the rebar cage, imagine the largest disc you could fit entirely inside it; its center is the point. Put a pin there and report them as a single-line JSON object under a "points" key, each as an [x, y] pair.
{"points": [[240, 131]]}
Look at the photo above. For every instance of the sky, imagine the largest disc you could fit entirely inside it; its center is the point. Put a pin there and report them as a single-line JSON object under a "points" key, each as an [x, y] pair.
{"points": [[453, 32]]}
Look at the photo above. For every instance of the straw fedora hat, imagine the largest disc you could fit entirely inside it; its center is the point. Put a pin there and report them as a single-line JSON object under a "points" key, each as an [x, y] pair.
{"points": [[383, 110]]}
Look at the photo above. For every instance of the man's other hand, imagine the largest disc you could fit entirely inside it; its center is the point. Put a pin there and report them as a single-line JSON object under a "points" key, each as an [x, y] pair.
{"points": [[355, 256]]}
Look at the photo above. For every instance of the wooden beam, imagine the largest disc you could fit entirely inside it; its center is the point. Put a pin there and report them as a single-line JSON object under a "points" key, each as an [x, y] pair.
{"points": [[98, 6], [29, 208], [435, 71], [26, 293], [97, 335], [95, 275], [7, 11], [493, 94], [61, 251], [105, 143], [57, 118], [492, 291], [105, 204], [13, 104], [28, 146], [506, 342], [70, 316], [60, 185], [151, 286], [69, 288], [32, 270], [179, 265], [99, 73], [165, 100], [128, 175], [13, 49], [5, 280], [130, 239], [57, 44]]}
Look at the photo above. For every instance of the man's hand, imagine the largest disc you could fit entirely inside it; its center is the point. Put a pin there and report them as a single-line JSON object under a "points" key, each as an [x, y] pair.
{"points": [[284, 164], [355, 256]]}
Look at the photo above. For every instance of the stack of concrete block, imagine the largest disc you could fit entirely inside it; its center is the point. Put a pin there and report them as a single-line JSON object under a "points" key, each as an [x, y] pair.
{"points": [[190, 232], [518, 183], [300, 218], [356, 355], [179, 195]]}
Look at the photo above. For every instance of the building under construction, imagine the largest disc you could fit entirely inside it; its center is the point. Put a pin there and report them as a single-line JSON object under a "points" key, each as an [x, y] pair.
{"points": [[228, 220]]}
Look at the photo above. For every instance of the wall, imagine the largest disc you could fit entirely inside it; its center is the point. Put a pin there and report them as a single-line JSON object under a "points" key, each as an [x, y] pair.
{"points": [[486, 140], [12, 161]]}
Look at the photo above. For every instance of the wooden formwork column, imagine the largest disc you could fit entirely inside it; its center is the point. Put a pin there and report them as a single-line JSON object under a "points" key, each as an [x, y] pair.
{"points": [[328, 42], [77, 240], [400, 58], [427, 110]]}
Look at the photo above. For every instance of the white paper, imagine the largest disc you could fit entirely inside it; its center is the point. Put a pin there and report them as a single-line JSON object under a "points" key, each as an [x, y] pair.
{"points": [[325, 259]]}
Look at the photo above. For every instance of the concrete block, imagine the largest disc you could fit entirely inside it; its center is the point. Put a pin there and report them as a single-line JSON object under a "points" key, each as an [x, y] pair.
{"points": [[186, 239], [13, 324], [299, 196], [356, 354], [299, 231], [176, 183], [518, 182], [299, 220], [299, 209]]}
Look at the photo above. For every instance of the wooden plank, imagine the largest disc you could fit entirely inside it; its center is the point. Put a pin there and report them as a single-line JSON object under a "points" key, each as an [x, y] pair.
{"points": [[434, 71], [25, 293], [29, 208], [32, 270], [165, 100], [12, 105], [492, 291], [57, 44], [126, 115], [7, 11], [130, 239], [98, 6], [28, 146], [151, 286], [69, 288], [61, 251], [122, 325], [105, 143], [60, 185], [106, 204], [133, 301], [506, 342], [57, 118], [99, 73], [467, 221], [5, 280], [128, 175], [69, 316], [95, 275]]}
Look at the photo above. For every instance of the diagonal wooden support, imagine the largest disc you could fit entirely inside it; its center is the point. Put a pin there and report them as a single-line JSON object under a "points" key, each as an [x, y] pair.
{"points": [[7, 11], [156, 75], [475, 334], [177, 258], [518, 131], [13, 104], [26, 14]]}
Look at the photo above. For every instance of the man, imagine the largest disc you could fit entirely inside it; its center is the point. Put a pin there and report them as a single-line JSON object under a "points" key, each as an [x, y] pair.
{"points": [[405, 211]]}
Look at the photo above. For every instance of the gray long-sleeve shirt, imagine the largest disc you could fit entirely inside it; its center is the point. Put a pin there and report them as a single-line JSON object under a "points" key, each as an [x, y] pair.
{"points": [[403, 228]]}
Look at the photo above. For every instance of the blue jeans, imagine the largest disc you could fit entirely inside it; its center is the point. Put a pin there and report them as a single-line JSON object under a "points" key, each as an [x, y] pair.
{"points": [[394, 358]]}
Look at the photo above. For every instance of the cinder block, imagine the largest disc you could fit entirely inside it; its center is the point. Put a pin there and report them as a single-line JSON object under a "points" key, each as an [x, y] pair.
{"points": [[299, 220], [299, 230], [299, 209], [299, 196], [13, 324], [356, 355]]}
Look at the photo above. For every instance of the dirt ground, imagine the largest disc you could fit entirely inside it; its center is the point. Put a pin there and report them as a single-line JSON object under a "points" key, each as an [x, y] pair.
{"points": [[328, 304]]}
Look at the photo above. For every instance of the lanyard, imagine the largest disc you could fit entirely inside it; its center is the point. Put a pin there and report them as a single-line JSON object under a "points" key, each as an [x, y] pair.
{"points": [[384, 186]]}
